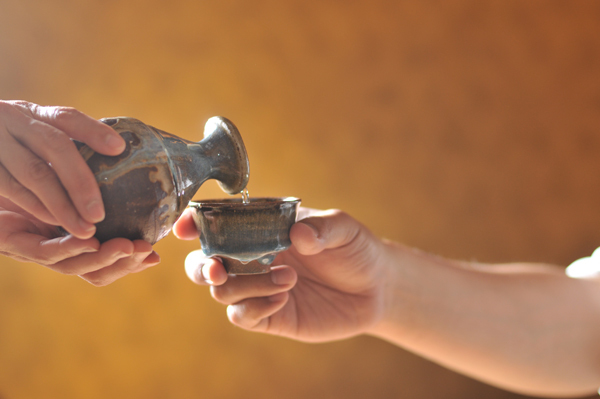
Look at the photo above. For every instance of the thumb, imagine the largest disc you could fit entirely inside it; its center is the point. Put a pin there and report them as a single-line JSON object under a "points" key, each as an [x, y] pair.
{"points": [[324, 230], [185, 227]]}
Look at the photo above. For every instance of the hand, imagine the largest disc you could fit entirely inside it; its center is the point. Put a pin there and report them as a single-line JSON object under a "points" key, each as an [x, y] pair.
{"points": [[327, 286], [27, 239], [41, 170], [45, 182]]}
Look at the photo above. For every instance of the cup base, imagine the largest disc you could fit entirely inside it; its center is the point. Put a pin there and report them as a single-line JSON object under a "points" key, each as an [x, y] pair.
{"points": [[234, 266]]}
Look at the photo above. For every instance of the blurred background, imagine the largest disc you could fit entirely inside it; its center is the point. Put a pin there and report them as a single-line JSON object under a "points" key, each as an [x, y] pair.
{"points": [[468, 129]]}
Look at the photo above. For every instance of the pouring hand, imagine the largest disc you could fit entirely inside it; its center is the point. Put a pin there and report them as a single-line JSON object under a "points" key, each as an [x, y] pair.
{"points": [[327, 286], [41, 170], [25, 238]]}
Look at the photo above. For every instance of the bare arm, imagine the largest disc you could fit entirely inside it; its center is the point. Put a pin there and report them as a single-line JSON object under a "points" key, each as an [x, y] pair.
{"points": [[523, 327]]}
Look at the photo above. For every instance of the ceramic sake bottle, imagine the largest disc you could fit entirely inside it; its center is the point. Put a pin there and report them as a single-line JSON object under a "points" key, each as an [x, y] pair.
{"points": [[148, 186]]}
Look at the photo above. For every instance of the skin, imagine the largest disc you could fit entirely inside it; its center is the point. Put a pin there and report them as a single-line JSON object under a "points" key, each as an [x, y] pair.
{"points": [[523, 327], [44, 183]]}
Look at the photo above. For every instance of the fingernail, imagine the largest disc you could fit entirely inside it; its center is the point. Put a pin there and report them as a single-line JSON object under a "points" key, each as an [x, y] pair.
{"points": [[96, 210], [139, 257], [88, 227], [204, 274], [114, 142], [155, 262], [89, 249], [156, 259], [313, 228], [282, 276]]}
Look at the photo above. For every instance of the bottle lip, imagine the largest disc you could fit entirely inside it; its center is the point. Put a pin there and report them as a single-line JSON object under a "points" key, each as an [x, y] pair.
{"points": [[225, 126]]}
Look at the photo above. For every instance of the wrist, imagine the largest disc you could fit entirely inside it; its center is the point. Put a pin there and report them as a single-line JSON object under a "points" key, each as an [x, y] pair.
{"points": [[397, 289], [412, 282]]}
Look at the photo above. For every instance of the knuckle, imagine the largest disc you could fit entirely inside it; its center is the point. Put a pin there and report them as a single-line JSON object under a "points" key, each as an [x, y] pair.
{"points": [[65, 114], [55, 141], [37, 169]]}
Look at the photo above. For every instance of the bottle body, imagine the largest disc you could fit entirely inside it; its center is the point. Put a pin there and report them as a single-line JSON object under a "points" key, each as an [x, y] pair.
{"points": [[147, 187]]}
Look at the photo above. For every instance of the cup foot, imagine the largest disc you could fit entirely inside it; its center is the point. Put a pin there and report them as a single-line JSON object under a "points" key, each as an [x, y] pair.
{"points": [[234, 266]]}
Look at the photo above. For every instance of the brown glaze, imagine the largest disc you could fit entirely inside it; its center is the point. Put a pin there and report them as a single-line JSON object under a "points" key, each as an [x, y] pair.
{"points": [[147, 187], [246, 236]]}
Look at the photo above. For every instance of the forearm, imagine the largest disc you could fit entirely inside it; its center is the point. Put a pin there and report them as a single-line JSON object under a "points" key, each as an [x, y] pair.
{"points": [[523, 327]]}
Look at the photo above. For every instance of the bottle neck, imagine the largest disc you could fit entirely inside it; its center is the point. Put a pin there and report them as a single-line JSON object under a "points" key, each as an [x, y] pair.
{"points": [[189, 166]]}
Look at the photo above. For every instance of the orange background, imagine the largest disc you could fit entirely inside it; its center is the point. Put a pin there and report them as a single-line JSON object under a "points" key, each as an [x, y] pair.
{"points": [[469, 129]]}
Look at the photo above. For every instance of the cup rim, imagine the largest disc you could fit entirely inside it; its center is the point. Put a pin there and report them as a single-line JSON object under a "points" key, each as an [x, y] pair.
{"points": [[255, 202]]}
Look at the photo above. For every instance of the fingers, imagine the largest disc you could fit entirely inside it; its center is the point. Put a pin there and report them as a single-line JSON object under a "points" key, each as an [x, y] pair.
{"points": [[36, 176], [75, 124], [44, 251], [99, 265], [42, 170], [142, 258], [13, 190], [108, 254], [252, 299], [43, 160], [185, 228], [324, 230], [204, 271], [254, 314], [151, 260], [23, 238], [242, 287]]}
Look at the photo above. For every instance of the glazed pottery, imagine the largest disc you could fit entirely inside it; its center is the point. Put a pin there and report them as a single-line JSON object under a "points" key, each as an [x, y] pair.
{"points": [[246, 236], [147, 187]]}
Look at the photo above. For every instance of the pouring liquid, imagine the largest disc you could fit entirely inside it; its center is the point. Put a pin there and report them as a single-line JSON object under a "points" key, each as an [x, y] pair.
{"points": [[245, 196]]}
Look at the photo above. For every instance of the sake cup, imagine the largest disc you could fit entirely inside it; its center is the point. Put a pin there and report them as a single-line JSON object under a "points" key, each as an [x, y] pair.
{"points": [[246, 236]]}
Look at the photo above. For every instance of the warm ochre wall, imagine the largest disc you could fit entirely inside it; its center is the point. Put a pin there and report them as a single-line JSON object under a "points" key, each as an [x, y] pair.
{"points": [[466, 128]]}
